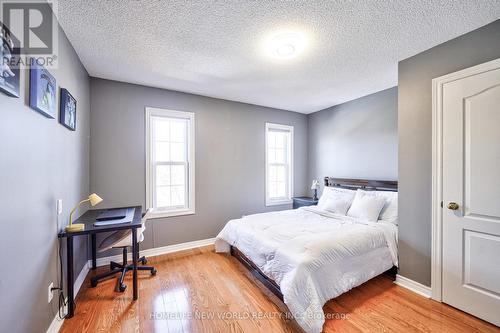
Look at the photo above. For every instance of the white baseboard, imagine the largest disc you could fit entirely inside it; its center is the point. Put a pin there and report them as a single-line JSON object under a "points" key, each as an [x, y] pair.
{"points": [[57, 322], [414, 286], [156, 251]]}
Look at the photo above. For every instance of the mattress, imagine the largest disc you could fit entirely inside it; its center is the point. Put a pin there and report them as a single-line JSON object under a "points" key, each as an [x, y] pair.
{"points": [[312, 255]]}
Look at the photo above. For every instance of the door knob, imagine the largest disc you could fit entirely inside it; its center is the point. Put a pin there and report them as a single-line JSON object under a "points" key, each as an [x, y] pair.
{"points": [[453, 206]]}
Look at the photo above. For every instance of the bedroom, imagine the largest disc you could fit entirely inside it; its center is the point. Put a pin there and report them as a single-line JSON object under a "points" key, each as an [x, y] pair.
{"points": [[214, 119]]}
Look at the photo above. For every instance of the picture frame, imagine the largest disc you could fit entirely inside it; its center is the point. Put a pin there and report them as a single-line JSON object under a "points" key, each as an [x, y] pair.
{"points": [[9, 63], [67, 110], [42, 90]]}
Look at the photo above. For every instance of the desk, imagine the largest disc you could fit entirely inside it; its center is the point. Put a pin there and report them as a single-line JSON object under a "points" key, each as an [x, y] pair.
{"points": [[90, 230]]}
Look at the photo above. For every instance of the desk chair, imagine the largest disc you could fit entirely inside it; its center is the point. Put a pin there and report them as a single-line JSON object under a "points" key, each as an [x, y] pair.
{"points": [[122, 240]]}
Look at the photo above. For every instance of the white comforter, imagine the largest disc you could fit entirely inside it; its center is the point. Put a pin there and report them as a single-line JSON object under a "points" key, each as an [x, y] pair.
{"points": [[312, 255]]}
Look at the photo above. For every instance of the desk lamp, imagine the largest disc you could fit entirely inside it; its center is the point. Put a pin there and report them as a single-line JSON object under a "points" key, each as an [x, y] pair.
{"points": [[94, 200]]}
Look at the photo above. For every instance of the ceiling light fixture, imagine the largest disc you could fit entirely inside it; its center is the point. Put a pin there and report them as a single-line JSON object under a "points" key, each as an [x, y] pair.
{"points": [[285, 50], [285, 45]]}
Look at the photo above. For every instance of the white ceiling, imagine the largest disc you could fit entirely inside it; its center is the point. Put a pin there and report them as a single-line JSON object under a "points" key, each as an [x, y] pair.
{"points": [[213, 48]]}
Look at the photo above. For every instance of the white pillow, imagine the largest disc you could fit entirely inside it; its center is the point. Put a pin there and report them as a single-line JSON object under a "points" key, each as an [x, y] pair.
{"points": [[337, 202], [366, 207], [327, 190], [334, 191], [390, 211]]}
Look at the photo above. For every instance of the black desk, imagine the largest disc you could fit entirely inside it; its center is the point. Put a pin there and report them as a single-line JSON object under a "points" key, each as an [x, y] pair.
{"points": [[88, 219]]}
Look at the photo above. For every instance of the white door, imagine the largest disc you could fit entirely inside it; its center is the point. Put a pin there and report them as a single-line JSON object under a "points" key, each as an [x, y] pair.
{"points": [[471, 192]]}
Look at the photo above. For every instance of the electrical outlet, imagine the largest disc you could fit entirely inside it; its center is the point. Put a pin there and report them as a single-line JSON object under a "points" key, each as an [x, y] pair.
{"points": [[59, 207], [50, 294]]}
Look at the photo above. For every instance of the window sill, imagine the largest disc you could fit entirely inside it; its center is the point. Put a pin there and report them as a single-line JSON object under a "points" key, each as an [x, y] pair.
{"points": [[279, 203], [162, 214]]}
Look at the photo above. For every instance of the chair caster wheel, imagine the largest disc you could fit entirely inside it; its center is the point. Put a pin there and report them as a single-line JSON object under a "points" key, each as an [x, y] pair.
{"points": [[153, 272], [144, 261], [122, 287], [93, 283]]}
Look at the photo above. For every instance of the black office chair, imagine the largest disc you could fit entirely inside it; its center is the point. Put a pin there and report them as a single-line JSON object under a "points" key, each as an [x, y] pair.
{"points": [[123, 239]]}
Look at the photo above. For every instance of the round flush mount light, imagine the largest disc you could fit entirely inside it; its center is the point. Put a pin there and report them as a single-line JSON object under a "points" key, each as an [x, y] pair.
{"points": [[285, 50], [285, 45]]}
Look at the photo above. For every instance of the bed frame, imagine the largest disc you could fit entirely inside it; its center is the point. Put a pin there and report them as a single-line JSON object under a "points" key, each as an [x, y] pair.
{"points": [[369, 185], [365, 184]]}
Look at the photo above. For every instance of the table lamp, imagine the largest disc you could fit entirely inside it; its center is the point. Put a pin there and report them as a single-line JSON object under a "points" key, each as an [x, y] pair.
{"points": [[315, 186], [94, 199]]}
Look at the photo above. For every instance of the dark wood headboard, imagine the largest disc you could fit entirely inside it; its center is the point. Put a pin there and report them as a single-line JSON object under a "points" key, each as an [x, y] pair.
{"points": [[364, 184]]}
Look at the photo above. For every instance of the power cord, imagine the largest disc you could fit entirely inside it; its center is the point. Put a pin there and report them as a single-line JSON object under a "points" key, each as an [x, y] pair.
{"points": [[61, 299]]}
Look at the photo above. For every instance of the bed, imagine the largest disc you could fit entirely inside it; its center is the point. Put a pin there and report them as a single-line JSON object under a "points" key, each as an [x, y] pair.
{"points": [[310, 255]]}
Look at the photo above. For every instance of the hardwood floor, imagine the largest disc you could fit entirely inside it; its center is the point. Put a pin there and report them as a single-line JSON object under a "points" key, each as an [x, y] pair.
{"points": [[201, 291]]}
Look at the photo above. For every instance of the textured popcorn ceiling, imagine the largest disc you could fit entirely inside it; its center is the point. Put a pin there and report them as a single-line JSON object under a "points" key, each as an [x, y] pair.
{"points": [[213, 48]]}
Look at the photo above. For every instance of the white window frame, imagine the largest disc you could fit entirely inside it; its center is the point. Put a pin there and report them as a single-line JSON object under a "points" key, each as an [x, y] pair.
{"points": [[150, 186], [288, 200]]}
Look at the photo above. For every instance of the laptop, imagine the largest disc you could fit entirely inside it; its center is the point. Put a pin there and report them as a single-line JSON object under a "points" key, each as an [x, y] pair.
{"points": [[112, 214]]}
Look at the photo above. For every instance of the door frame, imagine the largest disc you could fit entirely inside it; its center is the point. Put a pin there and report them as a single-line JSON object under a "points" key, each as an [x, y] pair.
{"points": [[437, 168]]}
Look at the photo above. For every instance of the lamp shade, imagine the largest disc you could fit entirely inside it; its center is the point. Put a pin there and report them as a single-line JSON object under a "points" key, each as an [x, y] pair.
{"points": [[315, 184], [94, 199]]}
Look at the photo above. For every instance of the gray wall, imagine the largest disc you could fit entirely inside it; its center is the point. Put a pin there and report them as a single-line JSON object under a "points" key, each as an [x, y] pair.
{"points": [[230, 167], [415, 136], [356, 139], [41, 161]]}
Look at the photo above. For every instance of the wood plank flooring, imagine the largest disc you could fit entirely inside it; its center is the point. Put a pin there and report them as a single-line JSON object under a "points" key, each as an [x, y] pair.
{"points": [[201, 291]]}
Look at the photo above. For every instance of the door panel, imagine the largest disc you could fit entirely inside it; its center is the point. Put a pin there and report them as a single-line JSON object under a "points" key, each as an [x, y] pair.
{"points": [[471, 165], [480, 248], [482, 131]]}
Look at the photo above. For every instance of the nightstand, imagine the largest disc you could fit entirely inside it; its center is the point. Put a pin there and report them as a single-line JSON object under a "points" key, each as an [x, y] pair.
{"points": [[303, 201]]}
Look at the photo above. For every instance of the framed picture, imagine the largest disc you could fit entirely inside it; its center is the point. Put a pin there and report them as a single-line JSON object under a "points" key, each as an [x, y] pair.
{"points": [[42, 90], [9, 65], [67, 112]]}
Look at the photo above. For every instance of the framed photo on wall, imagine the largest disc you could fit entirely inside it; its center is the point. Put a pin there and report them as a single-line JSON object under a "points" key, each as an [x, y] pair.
{"points": [[42, 90], [9, 65], [67, 112]]}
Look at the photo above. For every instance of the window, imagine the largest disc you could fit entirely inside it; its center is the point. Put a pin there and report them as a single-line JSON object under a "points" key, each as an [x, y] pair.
{"points": [[279, 164], [169, 162]]}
